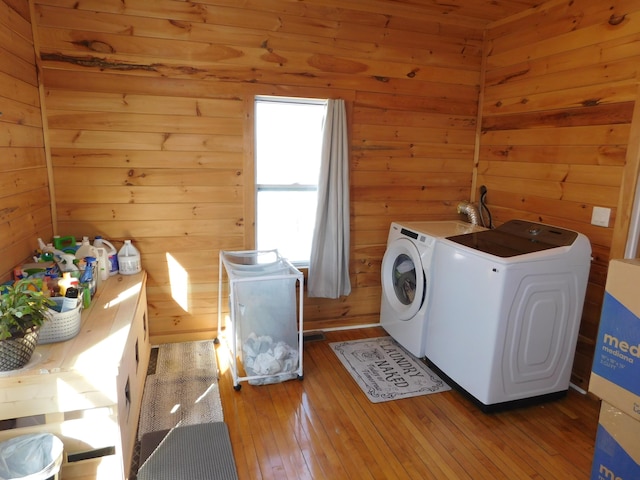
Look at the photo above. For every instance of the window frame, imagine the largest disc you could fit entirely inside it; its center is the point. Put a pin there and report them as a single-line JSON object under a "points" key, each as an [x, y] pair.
{"points": [[253, 161]]}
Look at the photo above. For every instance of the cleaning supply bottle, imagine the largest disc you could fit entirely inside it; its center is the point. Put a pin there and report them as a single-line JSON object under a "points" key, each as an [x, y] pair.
{"points": [[45, 254], [66, 244], [86, 249], [88, 279], [103, 265], [49, 252], [52, 283], [112, 253], [129, 259], [70, 300], [65, 282], [66, 263]]}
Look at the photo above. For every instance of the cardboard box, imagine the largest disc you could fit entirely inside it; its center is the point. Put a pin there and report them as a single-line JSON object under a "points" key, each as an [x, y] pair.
{"points": [[617, 450], [615, 375]]}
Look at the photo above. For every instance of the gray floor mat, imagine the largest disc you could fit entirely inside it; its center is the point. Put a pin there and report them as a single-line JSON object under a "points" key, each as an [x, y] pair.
{"points": [[193, 452]]}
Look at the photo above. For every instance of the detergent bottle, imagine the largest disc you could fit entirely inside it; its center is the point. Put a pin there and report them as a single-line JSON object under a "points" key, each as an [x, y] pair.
{"points": [[112, 253], [129, 259], [86, 249], [66, 244]]}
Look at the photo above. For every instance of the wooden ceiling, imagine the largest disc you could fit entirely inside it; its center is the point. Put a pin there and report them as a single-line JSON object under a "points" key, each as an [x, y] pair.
{"points": [[470, 12]]}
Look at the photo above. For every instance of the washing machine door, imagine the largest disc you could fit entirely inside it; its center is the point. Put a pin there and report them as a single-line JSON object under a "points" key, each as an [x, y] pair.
{"points": [[403, 278]]}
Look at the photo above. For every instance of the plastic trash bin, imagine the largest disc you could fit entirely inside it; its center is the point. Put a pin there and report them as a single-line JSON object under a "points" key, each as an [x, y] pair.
{"points": [[35, 456]]}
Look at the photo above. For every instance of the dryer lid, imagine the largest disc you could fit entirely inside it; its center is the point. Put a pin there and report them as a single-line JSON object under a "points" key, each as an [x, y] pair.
{"points": [[517, 237]]}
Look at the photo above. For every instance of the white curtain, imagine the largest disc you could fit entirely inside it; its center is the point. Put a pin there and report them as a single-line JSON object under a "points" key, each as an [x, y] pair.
{"points": [[329, 262]]}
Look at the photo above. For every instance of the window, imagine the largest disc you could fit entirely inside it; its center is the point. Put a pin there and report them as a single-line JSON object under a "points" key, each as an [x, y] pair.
{"points": [[288, 152]]}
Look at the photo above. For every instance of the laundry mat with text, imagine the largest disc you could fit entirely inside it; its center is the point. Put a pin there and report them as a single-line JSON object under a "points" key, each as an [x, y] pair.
{"points": [[386, 371]]}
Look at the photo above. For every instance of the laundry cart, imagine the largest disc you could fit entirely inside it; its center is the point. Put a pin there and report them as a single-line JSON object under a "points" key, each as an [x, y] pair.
{"points": [[264, 331]]}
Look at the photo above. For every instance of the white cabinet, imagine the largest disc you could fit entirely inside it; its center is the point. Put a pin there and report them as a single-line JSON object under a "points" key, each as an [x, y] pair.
{"points": [[88, 390]]}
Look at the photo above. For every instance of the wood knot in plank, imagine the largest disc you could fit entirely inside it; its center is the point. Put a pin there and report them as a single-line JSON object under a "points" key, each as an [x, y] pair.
{"points": [[95, 62], [272, 57], [328, 63], [95, 46], [615, 20], [591, 102], [513, 75], [183, 25], [189, 70]]}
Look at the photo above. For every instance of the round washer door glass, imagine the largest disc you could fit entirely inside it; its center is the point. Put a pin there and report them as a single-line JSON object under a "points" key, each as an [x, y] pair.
{"points": [[403, 280]]}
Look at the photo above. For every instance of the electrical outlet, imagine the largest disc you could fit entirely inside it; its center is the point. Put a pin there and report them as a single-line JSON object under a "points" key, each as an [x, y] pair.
{"points": [[600, 216]]}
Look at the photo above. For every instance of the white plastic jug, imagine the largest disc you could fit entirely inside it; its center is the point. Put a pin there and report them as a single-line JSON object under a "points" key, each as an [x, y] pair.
{"points": [[86, 249], [112, 253], [129, 259]]}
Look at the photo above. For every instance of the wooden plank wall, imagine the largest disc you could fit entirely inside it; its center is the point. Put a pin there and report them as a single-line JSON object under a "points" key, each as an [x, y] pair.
{"points": [[149, 116], [558, 109], [148, 121], [25, 212]]}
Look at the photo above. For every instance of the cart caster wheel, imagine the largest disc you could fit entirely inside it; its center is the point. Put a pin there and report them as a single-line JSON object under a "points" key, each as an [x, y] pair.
{"points": [[216, 341], [300, 377], [237, 387]]}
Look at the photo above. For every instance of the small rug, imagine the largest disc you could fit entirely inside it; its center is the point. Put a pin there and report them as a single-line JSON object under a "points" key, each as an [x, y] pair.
{"points": [[195, 452], [385, 371], [183, 391], [187, 357]]}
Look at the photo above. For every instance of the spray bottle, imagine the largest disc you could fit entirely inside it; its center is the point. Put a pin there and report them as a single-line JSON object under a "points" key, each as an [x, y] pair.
{"points": [[103, 265], [49, 252]]}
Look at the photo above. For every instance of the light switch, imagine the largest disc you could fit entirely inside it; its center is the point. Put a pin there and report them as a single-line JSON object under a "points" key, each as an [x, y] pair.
{"points": [[600, 216]]}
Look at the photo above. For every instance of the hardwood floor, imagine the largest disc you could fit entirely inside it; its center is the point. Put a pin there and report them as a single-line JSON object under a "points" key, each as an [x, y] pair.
{"points": [[324, 427]]}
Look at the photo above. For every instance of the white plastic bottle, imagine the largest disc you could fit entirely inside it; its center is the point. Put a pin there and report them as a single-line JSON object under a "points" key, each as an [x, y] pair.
{"points": [[129, 259], [48, 248], [86, 249], [103, 265], [112, 253]]}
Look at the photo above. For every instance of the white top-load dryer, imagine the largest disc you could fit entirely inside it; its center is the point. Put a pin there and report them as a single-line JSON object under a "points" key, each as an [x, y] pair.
{"points": [[505, 312]]}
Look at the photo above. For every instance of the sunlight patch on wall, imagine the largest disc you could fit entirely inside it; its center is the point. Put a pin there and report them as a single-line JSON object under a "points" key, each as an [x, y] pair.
{"points": [[179, 279]]}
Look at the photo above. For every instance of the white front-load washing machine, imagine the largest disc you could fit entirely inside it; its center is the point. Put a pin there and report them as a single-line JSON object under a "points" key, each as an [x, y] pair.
{"points": [[507, 303], [406, 278]]}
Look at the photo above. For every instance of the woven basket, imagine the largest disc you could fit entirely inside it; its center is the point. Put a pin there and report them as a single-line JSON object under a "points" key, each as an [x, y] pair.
{"points": [[16, 352], [61, 326]]}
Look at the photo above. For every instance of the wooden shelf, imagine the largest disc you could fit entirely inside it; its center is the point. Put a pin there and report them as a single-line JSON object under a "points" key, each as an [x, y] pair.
{"points": [[87, 390]]}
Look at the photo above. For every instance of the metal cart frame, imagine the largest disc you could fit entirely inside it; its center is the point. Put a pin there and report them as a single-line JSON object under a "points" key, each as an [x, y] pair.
{"points": [[227, 265]]}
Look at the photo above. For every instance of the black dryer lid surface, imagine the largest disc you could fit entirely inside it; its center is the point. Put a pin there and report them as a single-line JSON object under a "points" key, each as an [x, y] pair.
{"points": [[517, 237]]}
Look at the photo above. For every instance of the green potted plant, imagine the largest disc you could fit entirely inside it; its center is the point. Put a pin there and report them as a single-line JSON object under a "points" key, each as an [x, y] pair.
{"points": [[23, 310]]}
